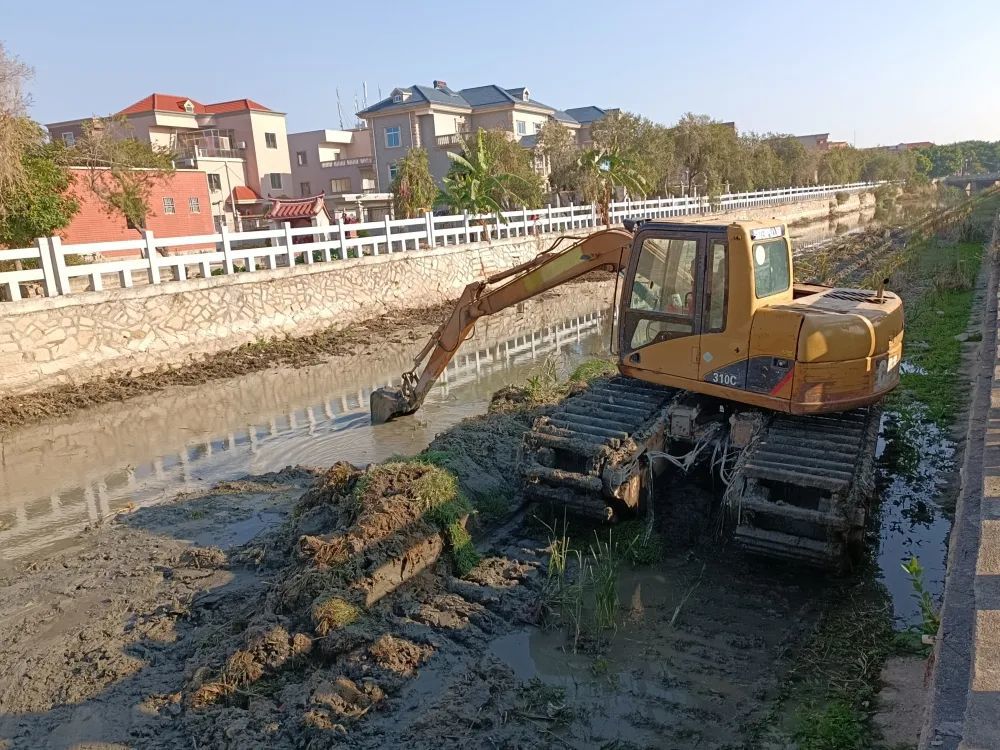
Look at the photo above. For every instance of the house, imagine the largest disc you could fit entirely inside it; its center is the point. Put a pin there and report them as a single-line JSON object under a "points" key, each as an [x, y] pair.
{"points": [[178, 202], [238, 143], [340, 164], [587, 116], [909, 146], [814, 142], [437, 118]]}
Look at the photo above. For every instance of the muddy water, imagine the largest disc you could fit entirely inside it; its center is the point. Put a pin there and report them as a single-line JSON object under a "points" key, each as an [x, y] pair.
{"points": [[58, 477]]}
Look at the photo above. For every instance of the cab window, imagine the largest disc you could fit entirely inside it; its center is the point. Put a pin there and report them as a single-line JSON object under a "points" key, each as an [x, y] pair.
{"points": [[663, 291], [717, 288], [664, 277], [771, 272]]}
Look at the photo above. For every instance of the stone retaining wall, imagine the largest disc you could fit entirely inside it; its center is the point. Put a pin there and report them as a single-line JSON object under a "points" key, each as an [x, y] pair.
{"points": [[45, 341]]}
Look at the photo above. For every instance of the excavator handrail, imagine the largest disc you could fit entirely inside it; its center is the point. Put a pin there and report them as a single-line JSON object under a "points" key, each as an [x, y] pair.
{"points": [[607, 249]]}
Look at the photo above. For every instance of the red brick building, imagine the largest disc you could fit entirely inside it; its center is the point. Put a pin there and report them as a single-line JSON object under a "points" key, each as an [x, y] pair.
{"points": [[179, 206]]}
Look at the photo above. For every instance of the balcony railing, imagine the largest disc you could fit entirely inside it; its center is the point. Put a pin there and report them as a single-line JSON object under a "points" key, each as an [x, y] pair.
{"points": [[357, 161], [193, 152], [451, 139]]}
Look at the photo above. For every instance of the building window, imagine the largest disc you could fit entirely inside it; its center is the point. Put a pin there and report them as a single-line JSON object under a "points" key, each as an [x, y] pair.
{"points": [[69, 138], [215, 182], [276, 182], [305, 189], [522, 127], [538, 127], [397, 98], [393, 171], [340, 185], [392, 138], [194, 205], [168, 206], [300, 157], [271, 140]]}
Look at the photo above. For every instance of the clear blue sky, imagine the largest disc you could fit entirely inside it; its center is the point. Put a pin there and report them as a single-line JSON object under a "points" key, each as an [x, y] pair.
{"points": [[880, 72]]}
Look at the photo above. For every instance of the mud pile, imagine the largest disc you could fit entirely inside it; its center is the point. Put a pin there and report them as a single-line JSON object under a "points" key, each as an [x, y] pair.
{"points": [[362, 590]]}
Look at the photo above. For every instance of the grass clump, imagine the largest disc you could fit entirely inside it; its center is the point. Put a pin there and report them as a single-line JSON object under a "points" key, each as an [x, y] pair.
{"points": [[835, 726], [332, 613], [638, 541], [593, 369]]}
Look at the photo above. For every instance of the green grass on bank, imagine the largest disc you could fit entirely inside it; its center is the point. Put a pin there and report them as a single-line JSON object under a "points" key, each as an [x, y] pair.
{"points": [[934, 320]]}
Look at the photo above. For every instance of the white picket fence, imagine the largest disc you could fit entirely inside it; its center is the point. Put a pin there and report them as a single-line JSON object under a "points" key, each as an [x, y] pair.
{"points": [[44, 266]]}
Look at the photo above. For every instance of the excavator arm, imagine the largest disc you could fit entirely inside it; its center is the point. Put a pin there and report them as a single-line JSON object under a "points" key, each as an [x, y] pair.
{"points": [[607, 249]]}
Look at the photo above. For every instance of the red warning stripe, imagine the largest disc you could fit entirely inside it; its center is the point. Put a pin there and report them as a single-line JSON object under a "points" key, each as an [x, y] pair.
{"points": [[783, 381]]}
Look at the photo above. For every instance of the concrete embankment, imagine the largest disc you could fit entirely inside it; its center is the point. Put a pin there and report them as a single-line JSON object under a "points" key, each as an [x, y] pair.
{"points": [[48, 341]]}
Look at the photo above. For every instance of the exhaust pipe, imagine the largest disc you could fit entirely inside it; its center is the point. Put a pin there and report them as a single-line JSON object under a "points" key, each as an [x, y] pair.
{"points": [[388, 403]]}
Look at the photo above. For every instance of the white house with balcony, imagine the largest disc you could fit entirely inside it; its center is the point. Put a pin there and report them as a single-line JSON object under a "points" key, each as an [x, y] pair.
{"points": [[241, 145], [340, 164]]}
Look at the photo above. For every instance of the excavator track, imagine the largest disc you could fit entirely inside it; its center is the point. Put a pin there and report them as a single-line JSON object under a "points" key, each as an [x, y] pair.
{"points": [[584, 455], [804, 486]]}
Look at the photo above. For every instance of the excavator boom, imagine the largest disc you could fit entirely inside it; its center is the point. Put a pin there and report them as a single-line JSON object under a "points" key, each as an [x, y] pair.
{"points": [[607, 249]]}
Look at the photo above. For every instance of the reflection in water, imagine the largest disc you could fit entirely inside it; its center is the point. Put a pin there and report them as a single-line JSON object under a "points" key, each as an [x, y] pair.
{"points": [[58, 477], [915, 459]]}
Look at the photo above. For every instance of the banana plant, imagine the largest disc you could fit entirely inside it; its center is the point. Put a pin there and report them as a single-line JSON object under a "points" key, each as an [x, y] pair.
{"points": [[602, 172]]}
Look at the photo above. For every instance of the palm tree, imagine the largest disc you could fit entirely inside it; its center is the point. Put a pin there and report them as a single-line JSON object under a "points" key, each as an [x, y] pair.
{"points": [[602, 172]]}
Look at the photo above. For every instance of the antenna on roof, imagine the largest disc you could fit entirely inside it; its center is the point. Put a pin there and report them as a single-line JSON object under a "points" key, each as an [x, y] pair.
{"points": [[380, 93], [364, 87], [356, 108], [340, 112]]}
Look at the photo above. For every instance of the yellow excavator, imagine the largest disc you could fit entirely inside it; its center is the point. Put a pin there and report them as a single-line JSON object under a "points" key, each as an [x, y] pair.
{"points": [[725, 364]]}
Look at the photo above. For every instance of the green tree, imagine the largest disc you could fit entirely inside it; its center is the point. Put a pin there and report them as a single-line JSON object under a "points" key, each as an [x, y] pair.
{"points": [[557, 145], [705, 151], [602, 172], [18, 133], [413, 188], [491, 174], [839, 166], [645, 144], [42, 205], [121, 171]]}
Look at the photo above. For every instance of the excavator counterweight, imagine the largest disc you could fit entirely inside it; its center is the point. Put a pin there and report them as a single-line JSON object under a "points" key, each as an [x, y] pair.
{"points": [[726, 365]]}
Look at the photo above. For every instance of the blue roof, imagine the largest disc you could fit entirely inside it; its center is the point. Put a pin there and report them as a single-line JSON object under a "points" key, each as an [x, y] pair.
{"points": [[584, 115], [470, 98]]}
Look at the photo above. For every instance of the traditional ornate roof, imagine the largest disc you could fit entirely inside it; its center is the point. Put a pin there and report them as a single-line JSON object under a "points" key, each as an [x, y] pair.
{"points": [[284, 209]]}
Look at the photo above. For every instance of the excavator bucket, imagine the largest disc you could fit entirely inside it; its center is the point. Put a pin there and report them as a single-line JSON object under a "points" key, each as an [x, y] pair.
{"points": [[389, 403]]}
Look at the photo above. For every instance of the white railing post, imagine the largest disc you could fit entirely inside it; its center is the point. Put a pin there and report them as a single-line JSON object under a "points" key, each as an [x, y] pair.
{"points": [[227, 250], [593, 215], [48, 272], [548, 217], [388, 233], [342, 234], [524, 221], [429, 222], [465, 226], [151, 257], [289, 245], [59, 265]]}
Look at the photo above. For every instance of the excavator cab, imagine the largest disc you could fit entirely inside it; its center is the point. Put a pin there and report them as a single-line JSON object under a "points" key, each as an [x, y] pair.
{"points": [[713, 308]]}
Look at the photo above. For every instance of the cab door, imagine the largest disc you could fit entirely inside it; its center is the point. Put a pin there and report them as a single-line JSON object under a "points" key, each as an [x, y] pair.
{"points": [[724, 341], [663, 303]]}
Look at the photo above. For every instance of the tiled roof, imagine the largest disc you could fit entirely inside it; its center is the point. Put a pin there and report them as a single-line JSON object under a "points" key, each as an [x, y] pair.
{"points": [[172, 103], [470, 98], [236, 105], [297, 208], [162, 103], [561, 116], [244, 194], [584, 115]]}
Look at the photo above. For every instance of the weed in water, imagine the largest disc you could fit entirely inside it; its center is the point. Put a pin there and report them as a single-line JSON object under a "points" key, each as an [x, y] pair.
{"points": [[605, 564], [543, 386], [930, 617], [638, 542]]}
